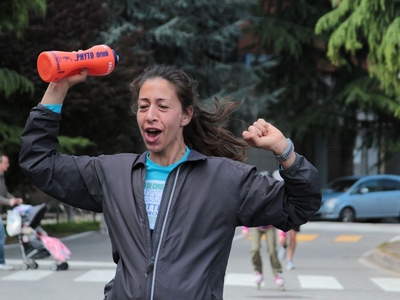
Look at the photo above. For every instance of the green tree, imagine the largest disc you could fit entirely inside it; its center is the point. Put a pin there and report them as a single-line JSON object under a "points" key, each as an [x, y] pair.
{"points": [[15, 15], [366, 33], [199, 36], [14, 19], [317, 99], [66, 28]]}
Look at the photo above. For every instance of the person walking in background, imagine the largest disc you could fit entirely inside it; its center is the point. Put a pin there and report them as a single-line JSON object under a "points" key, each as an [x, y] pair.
{"points": [[270, 235], [171, 211], [6, 198], [288, 246]]}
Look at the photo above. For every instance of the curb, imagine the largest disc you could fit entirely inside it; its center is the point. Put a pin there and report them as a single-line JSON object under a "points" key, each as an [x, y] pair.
{"points": [[387, 256]]}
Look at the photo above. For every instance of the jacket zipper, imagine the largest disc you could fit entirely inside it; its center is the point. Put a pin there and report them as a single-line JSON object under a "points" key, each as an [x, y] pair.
{"points": [[154, 264], [150, 267]]}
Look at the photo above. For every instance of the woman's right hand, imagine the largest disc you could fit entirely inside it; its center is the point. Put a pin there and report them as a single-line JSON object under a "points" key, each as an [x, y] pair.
{"points": [[76, 78], [56, 91]]}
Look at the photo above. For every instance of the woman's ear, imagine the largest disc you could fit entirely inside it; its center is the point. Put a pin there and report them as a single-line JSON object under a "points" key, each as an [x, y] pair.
{"points": [[187, 116]]}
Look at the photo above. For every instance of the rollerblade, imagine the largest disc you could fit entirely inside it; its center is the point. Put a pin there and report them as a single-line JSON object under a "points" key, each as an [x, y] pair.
{"points": [[258, 278], [279, 281]]}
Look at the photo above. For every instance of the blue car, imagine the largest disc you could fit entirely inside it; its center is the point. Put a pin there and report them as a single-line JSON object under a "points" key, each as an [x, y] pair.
{"points": [[352, 198]]}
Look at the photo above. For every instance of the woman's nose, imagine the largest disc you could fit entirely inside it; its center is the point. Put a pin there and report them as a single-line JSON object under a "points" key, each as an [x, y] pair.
{"points": [[151, 114]]}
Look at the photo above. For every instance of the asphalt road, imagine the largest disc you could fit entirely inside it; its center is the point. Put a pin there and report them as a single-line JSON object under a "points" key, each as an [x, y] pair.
{"points": [[330, 264]]}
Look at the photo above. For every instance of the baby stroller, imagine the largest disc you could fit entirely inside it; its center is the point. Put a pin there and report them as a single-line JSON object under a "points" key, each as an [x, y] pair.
{"points": [[34, 241]]}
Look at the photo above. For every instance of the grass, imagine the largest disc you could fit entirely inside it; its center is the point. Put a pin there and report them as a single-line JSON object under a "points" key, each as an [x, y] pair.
{"points": [[63, 229], [391, 248]]}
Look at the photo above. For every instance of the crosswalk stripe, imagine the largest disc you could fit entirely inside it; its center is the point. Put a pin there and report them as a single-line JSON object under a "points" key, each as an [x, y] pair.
{"points": [[71, 263], [96, 276], [319, 282], [239, 279], [27, 275], [387, 284]]}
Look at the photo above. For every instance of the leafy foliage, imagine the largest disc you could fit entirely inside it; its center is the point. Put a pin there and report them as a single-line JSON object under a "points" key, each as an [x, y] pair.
{"points": [[320, 98], [199, 36], [285, 31], [14, 18], [65, 28], [369, 31], [11, 81], [14, 15]]}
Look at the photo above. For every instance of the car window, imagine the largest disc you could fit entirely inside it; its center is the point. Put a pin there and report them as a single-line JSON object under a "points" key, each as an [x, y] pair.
{"points": [[341, 185], [371, 185], [389, 185]]}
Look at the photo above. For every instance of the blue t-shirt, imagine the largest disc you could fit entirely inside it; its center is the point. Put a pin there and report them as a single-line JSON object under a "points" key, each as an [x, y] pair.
{"points": [[154, 185]]}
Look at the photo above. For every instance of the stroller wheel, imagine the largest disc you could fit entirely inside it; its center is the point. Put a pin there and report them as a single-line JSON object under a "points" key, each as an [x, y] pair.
{"points": [[34, 265], [54, 267], [63, 266], [24, 266]]}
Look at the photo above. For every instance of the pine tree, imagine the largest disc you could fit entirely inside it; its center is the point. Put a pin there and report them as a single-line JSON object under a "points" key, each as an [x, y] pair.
{"points": [[201, 36]]}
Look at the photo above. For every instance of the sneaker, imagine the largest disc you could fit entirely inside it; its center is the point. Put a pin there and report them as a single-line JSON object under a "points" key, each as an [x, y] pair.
{"points": [[279, 280], [282, 253], [289, 265], [258, 278], [5, 267]]}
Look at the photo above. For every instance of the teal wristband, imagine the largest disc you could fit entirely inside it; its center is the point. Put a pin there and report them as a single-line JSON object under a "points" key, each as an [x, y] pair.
{"points": [[54, 107]]}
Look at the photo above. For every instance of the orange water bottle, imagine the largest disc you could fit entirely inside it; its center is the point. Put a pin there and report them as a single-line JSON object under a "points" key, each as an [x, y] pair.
{"points": [[54, 65]]}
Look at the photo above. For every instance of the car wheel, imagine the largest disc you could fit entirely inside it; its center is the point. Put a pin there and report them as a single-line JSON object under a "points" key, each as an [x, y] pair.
{"points": [[347, 215]]}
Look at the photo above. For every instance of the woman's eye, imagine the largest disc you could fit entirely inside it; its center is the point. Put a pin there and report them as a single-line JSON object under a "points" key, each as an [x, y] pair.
{"points": [[141, 107]]}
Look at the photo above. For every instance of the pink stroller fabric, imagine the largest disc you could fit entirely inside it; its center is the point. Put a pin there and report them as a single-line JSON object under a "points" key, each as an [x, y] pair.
{"points": [[56, 248]]}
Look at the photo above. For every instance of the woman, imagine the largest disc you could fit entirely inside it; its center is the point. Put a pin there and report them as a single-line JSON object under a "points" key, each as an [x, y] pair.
{"points": [[172, 211]]}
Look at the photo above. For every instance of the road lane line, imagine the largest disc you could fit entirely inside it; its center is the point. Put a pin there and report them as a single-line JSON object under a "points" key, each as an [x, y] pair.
{"points": [[348, 238], [300, 237]]}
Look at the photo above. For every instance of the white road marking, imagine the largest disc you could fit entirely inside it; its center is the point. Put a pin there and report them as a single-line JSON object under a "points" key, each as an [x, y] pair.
{"points": [[96, 276], [31, 275], [71, 263], [319, 282], [387, 284], [240, 279]]}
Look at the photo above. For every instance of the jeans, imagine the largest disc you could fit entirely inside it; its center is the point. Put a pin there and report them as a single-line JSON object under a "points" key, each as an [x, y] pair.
{"points": [[2, 241]]}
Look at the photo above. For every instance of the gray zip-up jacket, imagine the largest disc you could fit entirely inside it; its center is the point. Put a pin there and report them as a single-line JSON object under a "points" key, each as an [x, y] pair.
{"points": [[204, 200]]}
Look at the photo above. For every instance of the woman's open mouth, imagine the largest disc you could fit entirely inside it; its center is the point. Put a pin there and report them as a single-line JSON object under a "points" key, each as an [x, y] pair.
{"points": [[152, 134]]}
